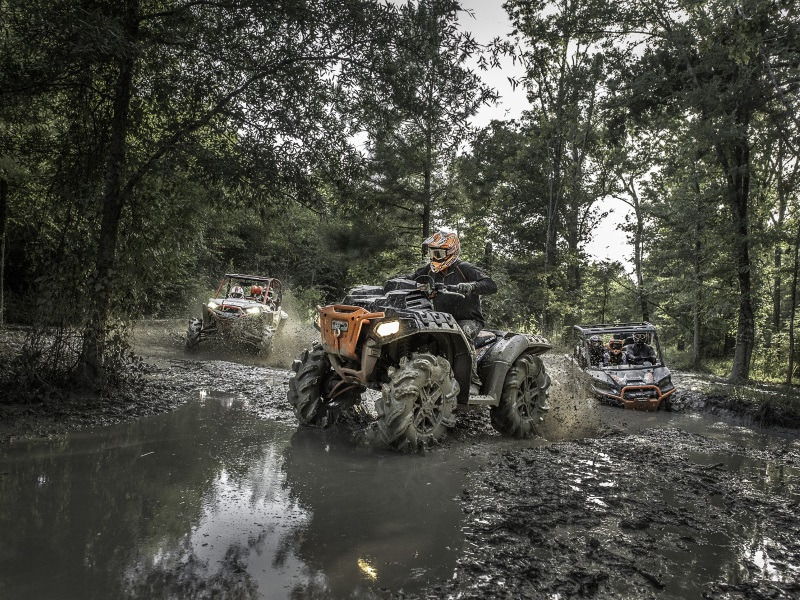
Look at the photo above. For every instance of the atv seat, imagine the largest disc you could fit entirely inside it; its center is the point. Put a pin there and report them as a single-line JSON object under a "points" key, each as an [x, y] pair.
{"points": [[483, 338]]}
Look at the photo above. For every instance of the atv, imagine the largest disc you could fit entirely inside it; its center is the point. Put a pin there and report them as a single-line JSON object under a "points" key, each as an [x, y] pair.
{"points": [[640, 384], [390, 338], [245, 310]]}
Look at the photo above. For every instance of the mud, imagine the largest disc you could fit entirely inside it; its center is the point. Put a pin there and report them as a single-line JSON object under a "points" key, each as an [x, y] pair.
{"points": [[660, 514], [607, 503]]}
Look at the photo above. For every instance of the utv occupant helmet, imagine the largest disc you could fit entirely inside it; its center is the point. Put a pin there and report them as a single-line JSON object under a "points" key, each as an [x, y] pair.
{"points": [[615, 346], [443, 250], [596, 341], [237, 292], [639, 338]]}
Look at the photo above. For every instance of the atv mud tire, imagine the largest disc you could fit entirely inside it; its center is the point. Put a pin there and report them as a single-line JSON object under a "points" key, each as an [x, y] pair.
{"points": [[416, 406], [193, 334], [523, 402], [307, 384]]}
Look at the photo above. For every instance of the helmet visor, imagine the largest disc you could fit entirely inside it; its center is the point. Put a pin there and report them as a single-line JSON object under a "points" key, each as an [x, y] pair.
{"points": [[437, 253]]}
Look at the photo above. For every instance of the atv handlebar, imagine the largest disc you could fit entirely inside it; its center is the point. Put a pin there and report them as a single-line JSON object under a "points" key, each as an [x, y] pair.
{"points": [[432, 288], [447, 289]]}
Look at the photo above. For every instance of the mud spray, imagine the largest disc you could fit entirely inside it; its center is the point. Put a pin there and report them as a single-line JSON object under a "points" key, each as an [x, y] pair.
{"points": [[295, 334], [573, 413]]}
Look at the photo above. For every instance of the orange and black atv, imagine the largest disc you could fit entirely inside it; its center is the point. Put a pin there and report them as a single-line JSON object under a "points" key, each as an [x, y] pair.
{"points": [[390, 338]]}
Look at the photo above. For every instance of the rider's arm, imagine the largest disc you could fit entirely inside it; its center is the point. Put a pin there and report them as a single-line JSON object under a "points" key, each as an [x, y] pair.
{"points": [[483, 283]]}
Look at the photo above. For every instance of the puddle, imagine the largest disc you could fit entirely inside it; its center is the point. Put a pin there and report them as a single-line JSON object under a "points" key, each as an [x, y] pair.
{"points": [[207, 500]]}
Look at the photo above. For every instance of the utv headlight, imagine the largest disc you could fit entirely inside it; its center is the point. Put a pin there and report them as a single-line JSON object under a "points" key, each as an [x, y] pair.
{"points": [[253, 310], [603, 385], [665, 382], [387, 328], [212, 305]]}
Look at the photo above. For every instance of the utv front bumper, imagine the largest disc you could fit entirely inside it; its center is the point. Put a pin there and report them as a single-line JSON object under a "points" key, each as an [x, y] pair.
{"points": [[638, 397]]}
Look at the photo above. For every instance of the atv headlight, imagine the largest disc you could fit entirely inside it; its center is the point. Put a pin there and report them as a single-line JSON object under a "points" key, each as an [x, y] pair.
{"points": [[253, 310], [212, 305], [387, 328], [666, 381]]}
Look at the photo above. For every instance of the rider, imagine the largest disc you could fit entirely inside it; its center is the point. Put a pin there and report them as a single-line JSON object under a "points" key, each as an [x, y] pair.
{"points": [[596, 350], [640, 351], [614, 356], [444, 266], [237, 292]]}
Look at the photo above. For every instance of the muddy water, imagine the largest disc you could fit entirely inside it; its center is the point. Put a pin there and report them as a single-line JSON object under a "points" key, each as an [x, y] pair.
{"points": [[208, 498], [208, 501]]}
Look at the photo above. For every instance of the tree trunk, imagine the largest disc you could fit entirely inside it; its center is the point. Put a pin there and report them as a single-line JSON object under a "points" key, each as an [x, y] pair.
{"points": [[3, 220], [793, 309], [426, 192], [735, 160], [777, 255], [698, 287], [100, 284], [698, 279], [637, 261]]}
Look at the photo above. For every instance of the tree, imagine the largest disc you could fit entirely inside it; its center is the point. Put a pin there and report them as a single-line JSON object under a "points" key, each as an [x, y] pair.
{"points": [[419, 116], [564, 69], [715, 64], [168, 79]]}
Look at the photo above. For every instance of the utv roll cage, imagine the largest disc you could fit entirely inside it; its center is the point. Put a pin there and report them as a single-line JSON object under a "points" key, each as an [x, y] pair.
{"points": [[584, 332]]}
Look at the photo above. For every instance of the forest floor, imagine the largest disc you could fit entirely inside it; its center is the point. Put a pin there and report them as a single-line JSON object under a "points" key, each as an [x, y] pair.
{"points": [[577, 517]]}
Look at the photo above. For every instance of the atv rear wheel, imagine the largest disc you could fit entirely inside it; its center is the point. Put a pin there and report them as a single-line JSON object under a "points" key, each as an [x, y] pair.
{"points": [[523, 402], [193, 334], [416, 406]]}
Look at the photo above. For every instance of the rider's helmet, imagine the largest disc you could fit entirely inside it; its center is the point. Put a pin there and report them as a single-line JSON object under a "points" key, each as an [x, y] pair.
{"points": [[639, 338], [443, 250], [256, 290], [237, 292], [596, 341], [615, 346]]}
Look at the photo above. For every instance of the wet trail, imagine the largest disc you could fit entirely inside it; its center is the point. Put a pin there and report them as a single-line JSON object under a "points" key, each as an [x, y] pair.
{"points": [[225, 498]]}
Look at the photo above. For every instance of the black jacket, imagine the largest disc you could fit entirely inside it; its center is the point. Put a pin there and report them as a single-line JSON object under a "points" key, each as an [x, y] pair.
{"points": [[459, 272]]}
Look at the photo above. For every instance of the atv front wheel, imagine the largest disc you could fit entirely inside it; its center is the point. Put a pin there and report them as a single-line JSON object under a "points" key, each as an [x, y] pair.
{"points": [[523, 402], [311, 388], [416, 406], [305, 387], [193, 334]]}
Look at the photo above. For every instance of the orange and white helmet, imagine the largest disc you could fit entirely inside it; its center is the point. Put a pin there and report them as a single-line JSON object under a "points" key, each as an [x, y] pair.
{"points": [[237, 292], [443, 250]]}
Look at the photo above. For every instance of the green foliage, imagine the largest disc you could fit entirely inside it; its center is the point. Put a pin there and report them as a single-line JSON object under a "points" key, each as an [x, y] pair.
{"points": [[151, 146]]}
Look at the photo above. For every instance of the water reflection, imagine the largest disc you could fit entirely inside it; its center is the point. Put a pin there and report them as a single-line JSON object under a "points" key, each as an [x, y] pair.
{"points": [[381, 520], [208, 502]]}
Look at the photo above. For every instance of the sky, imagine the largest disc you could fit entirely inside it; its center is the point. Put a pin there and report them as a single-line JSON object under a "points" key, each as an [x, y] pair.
{"points": [[489, 22]]}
